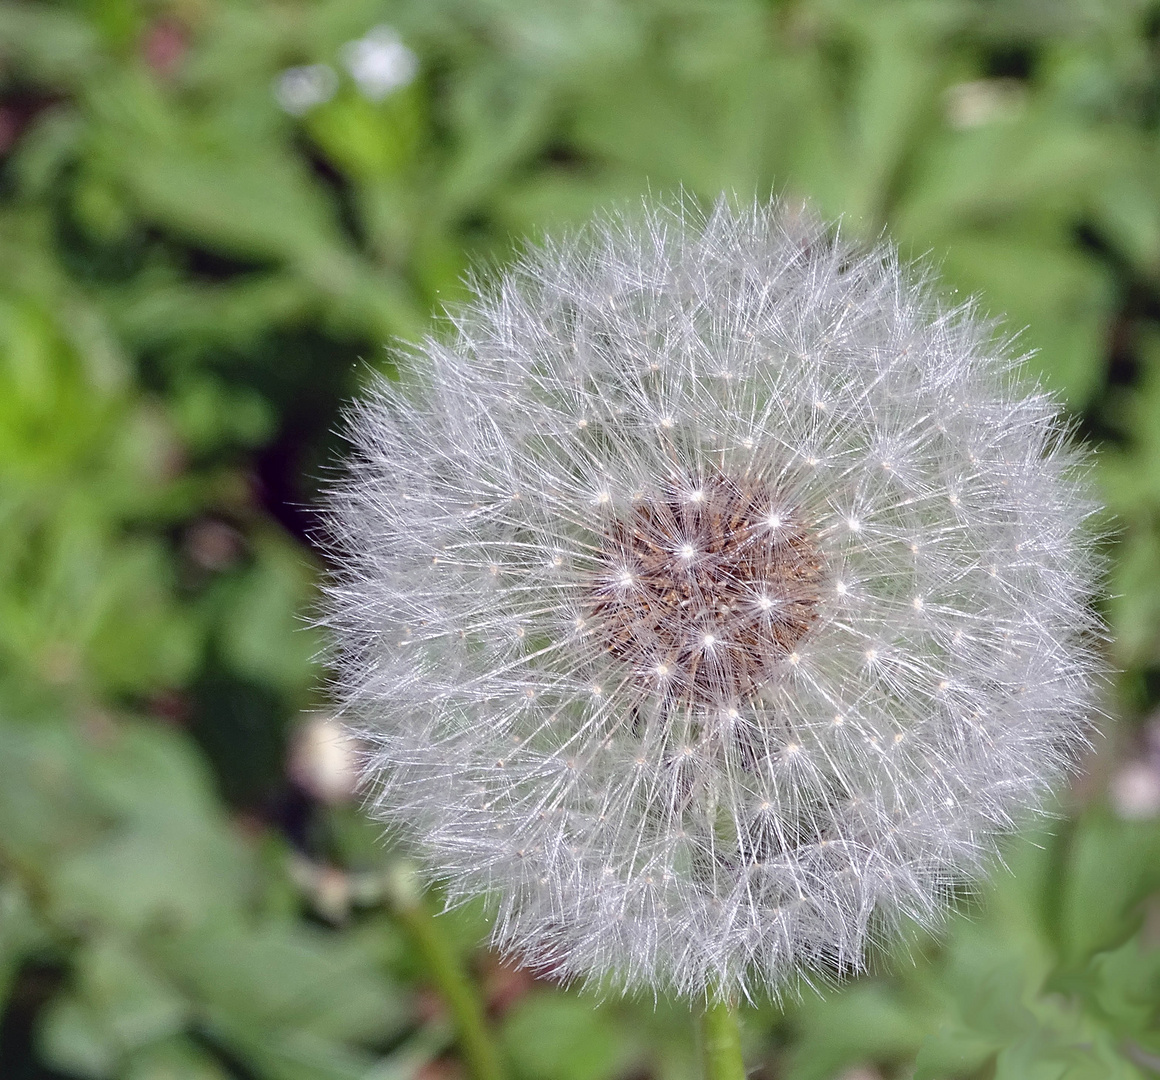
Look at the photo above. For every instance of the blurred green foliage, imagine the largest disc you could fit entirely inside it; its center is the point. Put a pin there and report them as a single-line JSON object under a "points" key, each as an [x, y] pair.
{"points": [[205, 236]]}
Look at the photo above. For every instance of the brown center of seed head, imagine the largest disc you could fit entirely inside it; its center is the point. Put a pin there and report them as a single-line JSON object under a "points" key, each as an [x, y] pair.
{"points": [[707, 588]]}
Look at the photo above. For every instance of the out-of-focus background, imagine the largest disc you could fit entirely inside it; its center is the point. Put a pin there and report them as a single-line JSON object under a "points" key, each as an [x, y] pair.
{"points": [[215, 216]]}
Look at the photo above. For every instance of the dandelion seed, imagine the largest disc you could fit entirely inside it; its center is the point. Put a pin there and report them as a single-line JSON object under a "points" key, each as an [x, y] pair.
{"points": [[682, 637]]}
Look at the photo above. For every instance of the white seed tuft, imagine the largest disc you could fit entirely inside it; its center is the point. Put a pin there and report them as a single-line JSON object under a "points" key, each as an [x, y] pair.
{"points": [[778, 680]]}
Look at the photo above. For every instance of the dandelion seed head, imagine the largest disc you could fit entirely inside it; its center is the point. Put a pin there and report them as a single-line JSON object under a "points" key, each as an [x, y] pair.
{"points": [[690, 609], [754, 668]]}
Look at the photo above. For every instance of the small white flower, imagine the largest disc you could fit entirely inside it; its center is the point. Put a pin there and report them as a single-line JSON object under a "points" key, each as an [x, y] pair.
{"points": [[1134, 791], [379, 62], [298, 89], [732, 747]]}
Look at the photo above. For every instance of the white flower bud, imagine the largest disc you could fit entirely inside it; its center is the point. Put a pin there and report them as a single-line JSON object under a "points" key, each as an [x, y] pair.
{"points": [[323, 760]]}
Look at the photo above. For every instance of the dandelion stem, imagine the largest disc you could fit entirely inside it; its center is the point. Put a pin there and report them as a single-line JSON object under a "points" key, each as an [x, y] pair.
{"points": [[721, 1042], [477, 1049]]}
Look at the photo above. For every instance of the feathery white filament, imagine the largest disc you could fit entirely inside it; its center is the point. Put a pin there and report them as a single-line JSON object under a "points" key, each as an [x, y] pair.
{"points": [[744, 597]]}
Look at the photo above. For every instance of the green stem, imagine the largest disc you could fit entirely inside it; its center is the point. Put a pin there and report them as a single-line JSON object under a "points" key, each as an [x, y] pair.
{"points": [[477, 1050], [721, 1042]]}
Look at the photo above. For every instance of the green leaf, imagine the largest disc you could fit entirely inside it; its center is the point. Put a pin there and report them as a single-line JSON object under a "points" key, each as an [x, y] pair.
{"points": [[1133, 608], [1124, 984], [1075, 1052], [264, 633], [1112, 866], [117, 1005], [292, 1055], [867, 1022], [257, 204], [51, 43], [169, 855], [75, 1041], [211, 414], [550, 1036], [45, 808], [22, 932], [276, 979], [174, 1059], [371, 141]]}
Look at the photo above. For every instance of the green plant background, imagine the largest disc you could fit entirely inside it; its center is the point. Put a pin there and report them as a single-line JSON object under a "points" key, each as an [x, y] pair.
{"points": [[192, 280]]}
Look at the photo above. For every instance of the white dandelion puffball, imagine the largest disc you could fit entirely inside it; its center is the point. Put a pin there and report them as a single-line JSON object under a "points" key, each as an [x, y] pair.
{"points": [[711, 600]]}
